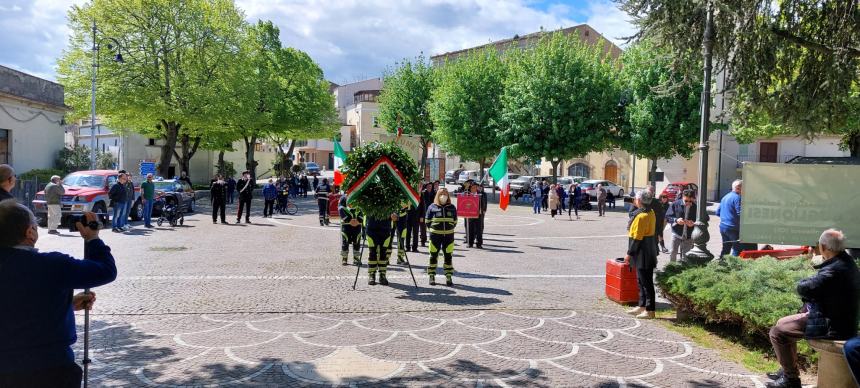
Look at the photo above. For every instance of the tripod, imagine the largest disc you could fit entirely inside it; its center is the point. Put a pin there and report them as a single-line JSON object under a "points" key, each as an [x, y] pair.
{"points": [[360, 254]]}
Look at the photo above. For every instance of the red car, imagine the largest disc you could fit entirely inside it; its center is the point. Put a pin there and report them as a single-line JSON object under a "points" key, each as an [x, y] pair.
{"points": [[674, 189], [86, 191]]}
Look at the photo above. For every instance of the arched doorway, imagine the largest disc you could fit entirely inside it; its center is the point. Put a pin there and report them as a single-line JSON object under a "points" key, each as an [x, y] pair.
{"points": [[610, 171], [579, 169]]}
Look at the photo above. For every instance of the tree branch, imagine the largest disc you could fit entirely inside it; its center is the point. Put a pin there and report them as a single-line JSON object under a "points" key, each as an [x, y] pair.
{"points": [[802, 42]]}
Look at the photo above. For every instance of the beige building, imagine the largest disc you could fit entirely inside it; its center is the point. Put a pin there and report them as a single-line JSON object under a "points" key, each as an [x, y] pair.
{"points": [[31, 120]]}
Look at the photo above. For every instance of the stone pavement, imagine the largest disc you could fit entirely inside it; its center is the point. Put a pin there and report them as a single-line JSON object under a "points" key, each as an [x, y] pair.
{"points": [[268, 304]]}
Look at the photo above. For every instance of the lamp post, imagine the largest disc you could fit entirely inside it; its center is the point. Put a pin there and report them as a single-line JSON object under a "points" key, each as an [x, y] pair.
{"points": [[700, 254], [117, 58]]}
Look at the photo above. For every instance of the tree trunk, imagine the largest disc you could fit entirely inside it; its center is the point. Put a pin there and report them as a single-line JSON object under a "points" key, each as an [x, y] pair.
{"points": [[555, 164], [424, 158], [188, 147], [481, 163], [853, 141], [652, 176], [250, 163], [221, 166], [171, 133]]}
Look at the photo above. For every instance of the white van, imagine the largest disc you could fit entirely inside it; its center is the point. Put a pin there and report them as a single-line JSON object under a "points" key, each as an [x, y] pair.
{"points": [[466, 175]]}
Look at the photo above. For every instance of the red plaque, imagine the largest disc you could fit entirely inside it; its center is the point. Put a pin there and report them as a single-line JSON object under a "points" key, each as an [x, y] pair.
{"points": [[468, 205]]}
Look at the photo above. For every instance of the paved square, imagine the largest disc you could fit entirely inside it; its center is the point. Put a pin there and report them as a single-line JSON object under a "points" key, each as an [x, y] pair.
{"points": [[268, 304]]}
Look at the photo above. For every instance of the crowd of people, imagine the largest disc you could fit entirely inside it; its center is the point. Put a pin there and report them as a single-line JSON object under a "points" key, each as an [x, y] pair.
{"points": [[557, 199]]}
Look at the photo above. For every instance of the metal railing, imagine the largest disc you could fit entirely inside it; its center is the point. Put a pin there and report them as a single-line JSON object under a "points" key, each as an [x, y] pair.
{"points": [[25, 191]]}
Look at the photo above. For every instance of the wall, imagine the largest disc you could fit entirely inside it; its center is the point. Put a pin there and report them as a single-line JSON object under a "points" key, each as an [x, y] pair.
{"points": [[35, 133]]}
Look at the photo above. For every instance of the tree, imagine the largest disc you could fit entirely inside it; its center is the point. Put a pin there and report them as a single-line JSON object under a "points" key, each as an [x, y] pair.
{"points": [[465, 105], [405, 99], [173, 52], [657, 123], [560, 100], [792, 64]]}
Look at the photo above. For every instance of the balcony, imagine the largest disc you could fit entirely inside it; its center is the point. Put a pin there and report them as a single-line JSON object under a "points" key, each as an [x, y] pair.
{"points": [[778, 158], [365, 96]]}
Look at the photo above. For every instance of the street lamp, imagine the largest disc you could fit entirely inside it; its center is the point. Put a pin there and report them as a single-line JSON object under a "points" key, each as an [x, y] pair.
{"points": [[117, 58], [700, 254]]}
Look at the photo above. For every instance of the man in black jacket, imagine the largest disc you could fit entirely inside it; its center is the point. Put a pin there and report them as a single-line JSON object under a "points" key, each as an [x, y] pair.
{"points": [[322, 192], [245, 186], [218, 195], [834, 293], [476, 225], [681, 216]]}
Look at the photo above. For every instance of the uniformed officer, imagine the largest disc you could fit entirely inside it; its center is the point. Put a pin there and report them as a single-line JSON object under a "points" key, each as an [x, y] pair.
{"points": [[350, 231], [379, 244], [441, 218], [402, 229], [322, 192]]}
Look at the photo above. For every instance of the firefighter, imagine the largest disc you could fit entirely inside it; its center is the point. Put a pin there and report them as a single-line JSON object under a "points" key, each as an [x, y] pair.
{"points": [[350, 231], [402, 226], [441, 218], [378, 235], [322, 192]]}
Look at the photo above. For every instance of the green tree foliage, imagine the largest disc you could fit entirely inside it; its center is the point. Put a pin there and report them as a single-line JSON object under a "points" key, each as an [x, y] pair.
{"points": [[657, 123], [405, 101], [383, 196], [791, 64], [173, 52], [465, 105], [560, 100]]}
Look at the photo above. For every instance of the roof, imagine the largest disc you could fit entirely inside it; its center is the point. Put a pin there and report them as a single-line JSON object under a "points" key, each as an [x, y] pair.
{"points": [[32, 88], [835, 160]]}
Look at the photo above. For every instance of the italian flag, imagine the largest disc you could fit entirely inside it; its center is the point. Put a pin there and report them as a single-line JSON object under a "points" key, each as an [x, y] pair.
{"points": [[339, 158], [499, 172]]}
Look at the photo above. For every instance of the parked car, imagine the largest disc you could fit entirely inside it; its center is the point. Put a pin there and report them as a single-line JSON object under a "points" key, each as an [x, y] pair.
{"points": [[564, 181], [173, 192], [676, 188], [466, 175], [577, 179], [589, 187], [451, 177], [521, 185], [86, 191], [312, 168]]}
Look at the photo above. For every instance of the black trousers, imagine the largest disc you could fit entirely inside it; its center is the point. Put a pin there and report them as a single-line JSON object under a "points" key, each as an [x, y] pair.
{"points": [[323, 208], [412, 229], [572, 206], [423, 231], [545, 202], [350, 235], [646, 288], [379, 245], [268, 207], [244, 204], [219, 205], [443, 243], [67, 376], [476, 230]]}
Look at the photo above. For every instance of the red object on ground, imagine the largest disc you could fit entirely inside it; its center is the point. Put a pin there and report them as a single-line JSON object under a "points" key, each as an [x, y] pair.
{"points": [[775, 253], [621, 284], [468, 205], [333, 200]]}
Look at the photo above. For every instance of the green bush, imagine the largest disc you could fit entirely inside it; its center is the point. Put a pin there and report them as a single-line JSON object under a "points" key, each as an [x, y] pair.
{"points": [[42, 174]]}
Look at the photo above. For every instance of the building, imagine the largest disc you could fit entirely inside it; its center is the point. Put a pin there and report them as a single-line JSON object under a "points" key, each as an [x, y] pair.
{"points": [[31, 120], [131, 148], [616, 166]]}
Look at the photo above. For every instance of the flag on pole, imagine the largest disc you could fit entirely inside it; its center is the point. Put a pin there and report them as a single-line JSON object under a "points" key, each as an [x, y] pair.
{"points": [[339, 158], [499, 172]]}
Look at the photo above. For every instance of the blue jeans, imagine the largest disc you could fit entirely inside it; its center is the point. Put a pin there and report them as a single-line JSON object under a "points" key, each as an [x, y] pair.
{"points": [[536, 206], [119, 214], [147, 212], [731, 242], [127, 212], [852, 355]]}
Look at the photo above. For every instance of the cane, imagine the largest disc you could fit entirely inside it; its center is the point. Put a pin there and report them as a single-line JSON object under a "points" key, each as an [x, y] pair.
{"points": [[86, 360], [406, 256], [360, 254]]}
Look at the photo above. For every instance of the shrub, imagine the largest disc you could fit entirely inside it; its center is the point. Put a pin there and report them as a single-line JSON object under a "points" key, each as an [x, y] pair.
{"points": [[42, 174]]}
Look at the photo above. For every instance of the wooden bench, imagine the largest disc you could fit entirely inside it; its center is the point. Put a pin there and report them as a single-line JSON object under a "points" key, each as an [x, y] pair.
{"points": [[833, 371]]}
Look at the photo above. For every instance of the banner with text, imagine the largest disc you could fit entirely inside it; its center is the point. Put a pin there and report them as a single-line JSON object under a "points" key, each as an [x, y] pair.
{"points": [[792, 204]]}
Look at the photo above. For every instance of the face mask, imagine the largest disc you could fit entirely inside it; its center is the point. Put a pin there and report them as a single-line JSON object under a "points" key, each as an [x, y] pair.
{"points": [[443, 198]]}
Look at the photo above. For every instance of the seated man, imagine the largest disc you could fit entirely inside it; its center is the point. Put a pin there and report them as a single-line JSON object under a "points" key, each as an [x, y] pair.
{"points": [[833, 292], [38, 321]]}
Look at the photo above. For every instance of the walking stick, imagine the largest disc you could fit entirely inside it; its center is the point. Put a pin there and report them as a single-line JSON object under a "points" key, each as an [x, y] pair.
{"points": [[86, 360], [360, 254], [406, 256]]}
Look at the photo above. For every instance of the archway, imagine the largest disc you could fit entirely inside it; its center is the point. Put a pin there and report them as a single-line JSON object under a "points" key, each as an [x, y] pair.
{"points": [[610, 171], [579, 169]]}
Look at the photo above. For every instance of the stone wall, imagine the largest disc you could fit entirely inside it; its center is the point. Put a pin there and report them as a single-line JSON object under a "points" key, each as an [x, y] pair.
{"points": [[29, 87]]}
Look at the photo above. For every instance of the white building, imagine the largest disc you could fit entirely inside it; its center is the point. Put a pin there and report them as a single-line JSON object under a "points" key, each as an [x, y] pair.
{"points": [[31, 120]]}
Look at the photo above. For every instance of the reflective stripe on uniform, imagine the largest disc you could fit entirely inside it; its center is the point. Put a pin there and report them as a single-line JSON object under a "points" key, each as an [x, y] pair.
{"points": [[442, 231]]}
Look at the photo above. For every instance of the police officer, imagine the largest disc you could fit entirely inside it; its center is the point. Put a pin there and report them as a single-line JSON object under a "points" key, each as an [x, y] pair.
{"points": [[245, 186], [379, 244], [350, 231], [441, 218], [322, 193], [218, 194]]}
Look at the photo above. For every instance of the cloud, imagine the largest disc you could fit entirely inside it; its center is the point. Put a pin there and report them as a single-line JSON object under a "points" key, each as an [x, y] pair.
{"points": [[350, 39]]}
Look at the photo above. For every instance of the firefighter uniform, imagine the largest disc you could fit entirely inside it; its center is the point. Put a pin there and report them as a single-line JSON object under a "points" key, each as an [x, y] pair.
{"points": [[402, 231], [322, 192], [379, 244], [441, 221], [349, 234]]}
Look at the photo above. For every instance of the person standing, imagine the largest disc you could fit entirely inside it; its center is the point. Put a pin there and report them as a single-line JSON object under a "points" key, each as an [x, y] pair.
{"points": [[642, 254], [553, 200], [476, 225], [129, 203], [118, 196], [231, 189], [537, 197], [184, 177], [562, 195], [306, 185], [601, 200], [7, 181], [401, 226], [38, 322], [442, 219], [316, 183], [218, 193], [54, 200], [322, 192], [427, 196], [350, 231], [147, 197], [681, 216], [729, 212], [412, 227], [663, 207], [245, 187], [544, 195], [270, 194], [378, 235], [574, 196]]}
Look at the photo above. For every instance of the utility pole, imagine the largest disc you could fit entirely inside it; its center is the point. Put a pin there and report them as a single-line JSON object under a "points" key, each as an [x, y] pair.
{"points": [[700, 254], [93, 103]]}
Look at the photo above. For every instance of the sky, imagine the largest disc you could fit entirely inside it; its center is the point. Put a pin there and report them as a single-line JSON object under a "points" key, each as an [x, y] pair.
{"points": [[350, 39]]}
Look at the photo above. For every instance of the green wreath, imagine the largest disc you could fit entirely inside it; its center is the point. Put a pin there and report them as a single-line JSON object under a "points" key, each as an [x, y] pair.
{"points": [[383, 195]]}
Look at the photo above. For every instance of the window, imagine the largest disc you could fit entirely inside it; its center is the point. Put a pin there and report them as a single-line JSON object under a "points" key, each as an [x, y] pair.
{"points": [[115, 142], [578, 169], [375, 122], [152, 142], [4, 146], [258, 147]]}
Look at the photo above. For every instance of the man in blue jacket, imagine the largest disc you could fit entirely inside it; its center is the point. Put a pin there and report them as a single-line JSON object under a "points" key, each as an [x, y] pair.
{"points": [[38, 321], [730, 220]]}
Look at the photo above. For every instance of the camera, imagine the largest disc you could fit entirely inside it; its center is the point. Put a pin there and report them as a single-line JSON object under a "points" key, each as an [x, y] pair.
{"points": [[75, 218]]}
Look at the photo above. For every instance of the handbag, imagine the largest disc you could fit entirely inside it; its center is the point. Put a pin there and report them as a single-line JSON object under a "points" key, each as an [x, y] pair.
{"points": [[817, 325]]}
